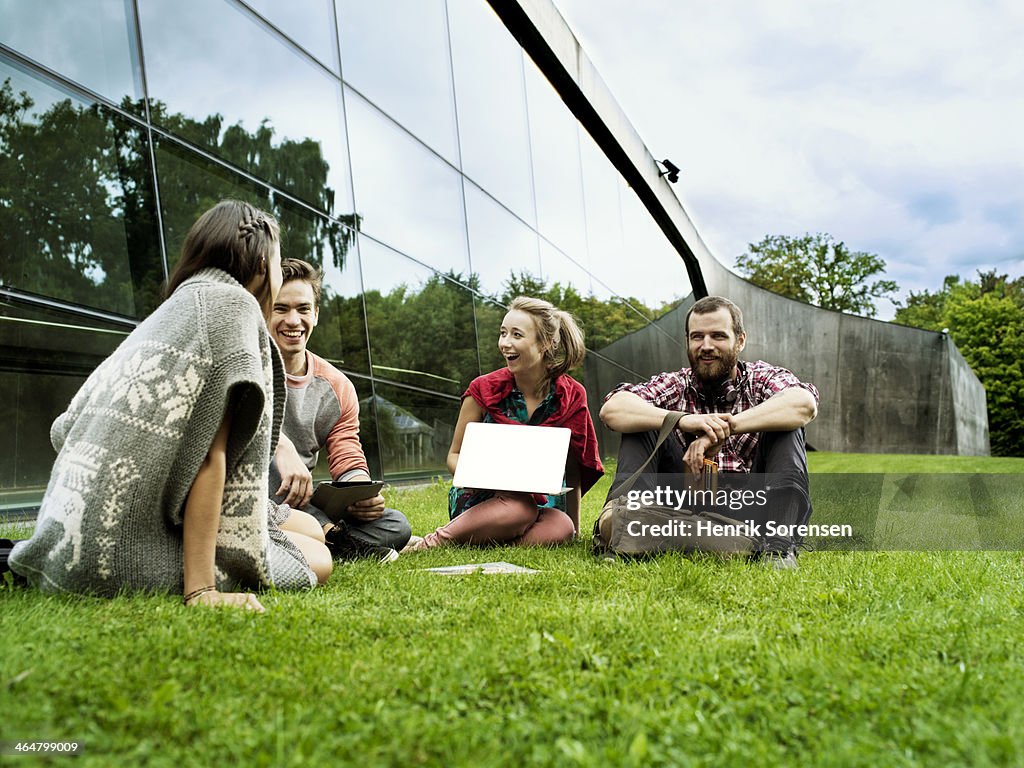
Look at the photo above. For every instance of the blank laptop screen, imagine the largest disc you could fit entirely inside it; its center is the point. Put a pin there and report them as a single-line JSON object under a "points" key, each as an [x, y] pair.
{"points": [[512, 457]]}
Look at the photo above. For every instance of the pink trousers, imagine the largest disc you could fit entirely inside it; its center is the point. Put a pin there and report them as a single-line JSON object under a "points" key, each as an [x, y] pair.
{"points": [[506, 518]]}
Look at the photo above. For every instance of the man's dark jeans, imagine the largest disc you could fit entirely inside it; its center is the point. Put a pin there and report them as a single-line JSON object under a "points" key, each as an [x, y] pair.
{"points": [[780, 469]]}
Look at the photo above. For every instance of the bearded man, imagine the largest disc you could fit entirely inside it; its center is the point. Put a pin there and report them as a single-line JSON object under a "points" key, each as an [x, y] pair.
{"points": [[748, 417]]}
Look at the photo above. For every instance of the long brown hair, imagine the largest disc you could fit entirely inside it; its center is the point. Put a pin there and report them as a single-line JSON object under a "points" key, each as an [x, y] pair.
{"points": [[233, 236]]}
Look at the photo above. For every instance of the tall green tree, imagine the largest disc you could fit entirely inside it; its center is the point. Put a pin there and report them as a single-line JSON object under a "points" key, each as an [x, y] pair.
{"points": [[818, 270], [985, 319]]}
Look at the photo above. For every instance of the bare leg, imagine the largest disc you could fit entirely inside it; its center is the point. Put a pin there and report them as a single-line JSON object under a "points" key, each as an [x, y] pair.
{"points": [[301, 522], [306, 533]]}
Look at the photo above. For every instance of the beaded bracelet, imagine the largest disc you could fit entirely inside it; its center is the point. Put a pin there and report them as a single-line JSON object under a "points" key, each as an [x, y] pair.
{"points": [[196, 593]]}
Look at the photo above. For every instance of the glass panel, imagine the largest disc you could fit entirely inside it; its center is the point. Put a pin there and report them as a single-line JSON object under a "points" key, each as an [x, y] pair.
{"points": [[557, 268], [310, 23], [395, 52], [406, 196], [603, 319], [500, 245], [257, 102], [414, 430], [369, 433], [77, 219], [340, 336], [191, 184], [91, 43], [45, 356], [556, 167], [420, 322], [491, 98], [489, 315], [602, 376]]}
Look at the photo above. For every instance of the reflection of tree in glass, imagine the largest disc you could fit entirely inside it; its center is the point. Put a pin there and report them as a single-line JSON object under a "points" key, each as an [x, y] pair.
{"points": [[77, 210], [297, 167], [425, 336], [76, 217], [190, 184], [341, 332]]}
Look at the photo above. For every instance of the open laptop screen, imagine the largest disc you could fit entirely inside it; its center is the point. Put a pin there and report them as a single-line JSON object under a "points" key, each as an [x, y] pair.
{"points": [[512, 457]]}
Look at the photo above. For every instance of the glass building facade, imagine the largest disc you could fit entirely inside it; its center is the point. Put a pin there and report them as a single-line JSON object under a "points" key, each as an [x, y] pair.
{"points": [[411, 148]]}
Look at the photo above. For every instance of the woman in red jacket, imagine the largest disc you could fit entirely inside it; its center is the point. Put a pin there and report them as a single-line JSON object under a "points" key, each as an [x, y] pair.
{"points": [[540, 343]]}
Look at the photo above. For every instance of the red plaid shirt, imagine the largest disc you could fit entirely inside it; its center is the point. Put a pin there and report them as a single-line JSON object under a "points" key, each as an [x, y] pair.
{"points": [[754, 383]]}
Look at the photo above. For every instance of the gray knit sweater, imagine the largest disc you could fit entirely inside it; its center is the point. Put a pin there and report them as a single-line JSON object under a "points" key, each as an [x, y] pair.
{"points": [[134, 437]]}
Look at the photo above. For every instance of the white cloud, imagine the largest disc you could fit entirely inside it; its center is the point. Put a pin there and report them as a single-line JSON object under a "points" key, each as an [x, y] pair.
{"points": [[894, 126]]}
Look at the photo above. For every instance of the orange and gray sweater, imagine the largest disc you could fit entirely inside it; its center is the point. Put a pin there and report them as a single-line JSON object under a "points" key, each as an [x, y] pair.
{"points": [[322, 413]]}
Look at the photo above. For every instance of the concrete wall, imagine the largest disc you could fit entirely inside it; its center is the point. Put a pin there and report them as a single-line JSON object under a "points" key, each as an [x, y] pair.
{"points": [[884, 388], [968, 407], [634, 357]]}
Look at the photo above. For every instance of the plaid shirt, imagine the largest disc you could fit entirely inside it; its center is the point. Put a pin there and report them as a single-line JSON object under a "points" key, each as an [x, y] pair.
{"points": [[754, 383]]}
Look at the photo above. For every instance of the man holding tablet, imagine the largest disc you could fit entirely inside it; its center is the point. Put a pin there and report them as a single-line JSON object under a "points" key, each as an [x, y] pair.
{"points": [[322, 413]]}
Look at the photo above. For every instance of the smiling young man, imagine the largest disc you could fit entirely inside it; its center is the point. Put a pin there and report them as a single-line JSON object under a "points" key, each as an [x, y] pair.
{"points": [[322, 413], [748, 417]]}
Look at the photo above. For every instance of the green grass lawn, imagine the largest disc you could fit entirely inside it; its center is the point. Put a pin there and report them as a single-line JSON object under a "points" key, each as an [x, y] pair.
{"points": [[857, 658], [822, 461]]}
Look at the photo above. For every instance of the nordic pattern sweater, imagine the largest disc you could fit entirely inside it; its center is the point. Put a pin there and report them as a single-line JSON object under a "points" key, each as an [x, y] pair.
{"points": [[134, 437]]}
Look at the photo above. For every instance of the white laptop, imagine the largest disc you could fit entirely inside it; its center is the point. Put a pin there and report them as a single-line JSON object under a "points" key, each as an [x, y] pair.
{"points": [[512, 457]]}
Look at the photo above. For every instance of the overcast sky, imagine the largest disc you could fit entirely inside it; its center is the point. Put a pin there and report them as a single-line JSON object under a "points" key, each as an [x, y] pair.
{"points": [[896, 127]]}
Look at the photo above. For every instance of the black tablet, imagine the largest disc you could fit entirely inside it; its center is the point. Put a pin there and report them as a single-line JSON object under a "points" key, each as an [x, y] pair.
{"points": [[336, 497]]}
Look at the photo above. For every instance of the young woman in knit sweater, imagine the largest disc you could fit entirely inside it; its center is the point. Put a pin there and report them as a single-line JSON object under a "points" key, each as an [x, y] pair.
{"points": [[160, 482], [540, 343]]}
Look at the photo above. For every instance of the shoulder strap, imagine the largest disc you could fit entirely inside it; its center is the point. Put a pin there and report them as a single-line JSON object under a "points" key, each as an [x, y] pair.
{"points": [[671, 420]]}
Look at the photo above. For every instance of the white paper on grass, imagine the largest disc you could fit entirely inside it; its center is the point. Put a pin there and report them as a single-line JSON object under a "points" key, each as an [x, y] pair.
{"points": [[486, 568]]}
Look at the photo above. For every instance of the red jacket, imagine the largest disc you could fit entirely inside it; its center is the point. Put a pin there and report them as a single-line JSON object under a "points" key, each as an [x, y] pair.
{"points": [[489, 390]]}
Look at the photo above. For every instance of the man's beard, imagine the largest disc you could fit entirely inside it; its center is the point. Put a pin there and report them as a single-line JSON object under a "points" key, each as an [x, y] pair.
{"points": [[711, 373]]}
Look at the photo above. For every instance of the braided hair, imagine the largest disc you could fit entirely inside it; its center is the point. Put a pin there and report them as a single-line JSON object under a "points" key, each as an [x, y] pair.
{"points": [[233, 236]]}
